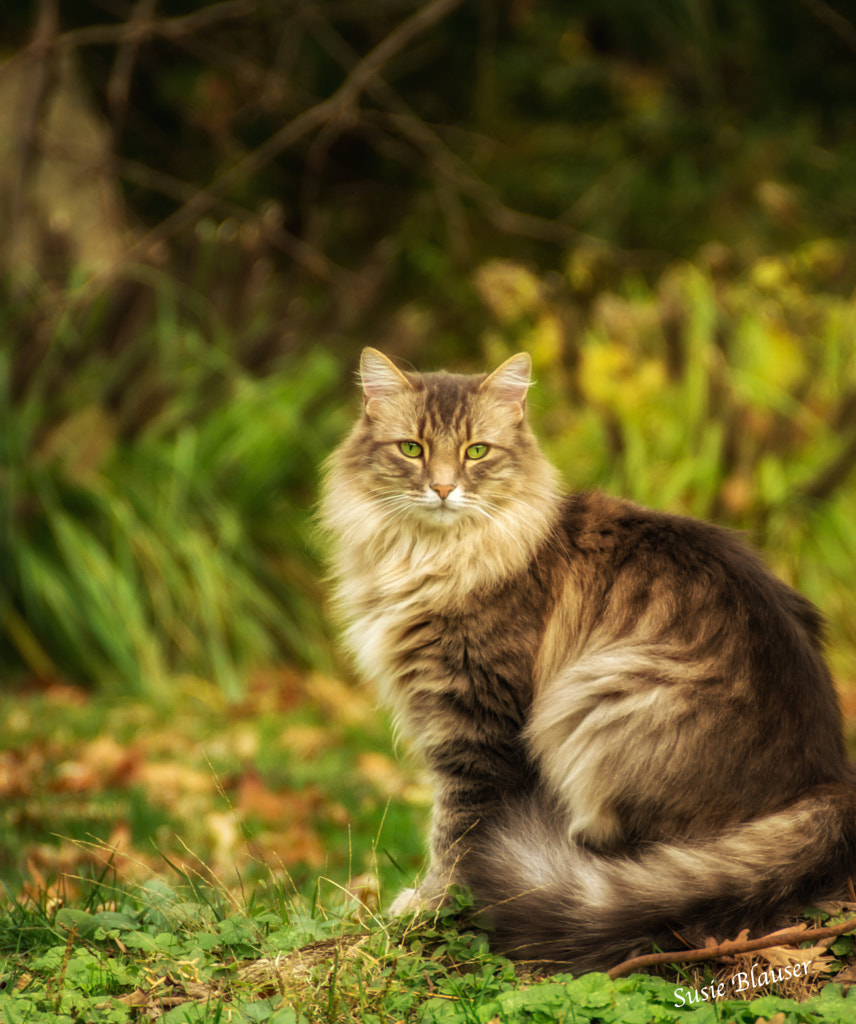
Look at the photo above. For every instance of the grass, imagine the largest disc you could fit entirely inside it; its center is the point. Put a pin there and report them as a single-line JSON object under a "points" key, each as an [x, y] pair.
{"points": [[205, 861], [293, 780], [190, 954], [137, 545]]}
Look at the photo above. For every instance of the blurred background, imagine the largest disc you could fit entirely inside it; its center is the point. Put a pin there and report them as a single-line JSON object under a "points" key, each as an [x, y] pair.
{"points": [[206, 210]]}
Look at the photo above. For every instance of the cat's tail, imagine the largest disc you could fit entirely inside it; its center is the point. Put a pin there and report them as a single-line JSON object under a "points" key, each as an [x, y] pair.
{"points": [[549, 899]]}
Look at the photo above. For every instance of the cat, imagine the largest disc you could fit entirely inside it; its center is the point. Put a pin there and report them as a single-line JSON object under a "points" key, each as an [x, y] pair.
{"points": [[629, 721]]}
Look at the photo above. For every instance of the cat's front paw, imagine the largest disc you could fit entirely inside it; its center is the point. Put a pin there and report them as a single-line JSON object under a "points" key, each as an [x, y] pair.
{"points": [[416, 901]]}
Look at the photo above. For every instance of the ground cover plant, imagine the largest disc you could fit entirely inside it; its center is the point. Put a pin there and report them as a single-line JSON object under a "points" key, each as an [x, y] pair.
{"points": [[189, 872]]}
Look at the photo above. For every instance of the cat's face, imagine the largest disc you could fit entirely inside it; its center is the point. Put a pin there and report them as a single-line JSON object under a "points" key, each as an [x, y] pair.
{"points": [[443, 449]]}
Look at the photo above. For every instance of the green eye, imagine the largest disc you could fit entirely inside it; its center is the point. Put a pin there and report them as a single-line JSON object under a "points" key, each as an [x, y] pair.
{"points": [[476, 451], [412, 449]]}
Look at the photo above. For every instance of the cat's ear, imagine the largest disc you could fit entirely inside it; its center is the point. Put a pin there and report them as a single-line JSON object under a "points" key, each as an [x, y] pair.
{"points": [[380, 378], [511, 381]]}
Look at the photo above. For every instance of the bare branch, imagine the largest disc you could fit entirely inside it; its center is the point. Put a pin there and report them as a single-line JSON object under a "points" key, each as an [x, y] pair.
{"points": [[43, 49], [119, 86], [139, 29], [451, 174], [311, 258], [334, 107], [832, 19]]}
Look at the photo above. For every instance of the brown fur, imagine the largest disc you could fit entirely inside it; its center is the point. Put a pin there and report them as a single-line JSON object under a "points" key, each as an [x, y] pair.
{"points": [[629, 719]]}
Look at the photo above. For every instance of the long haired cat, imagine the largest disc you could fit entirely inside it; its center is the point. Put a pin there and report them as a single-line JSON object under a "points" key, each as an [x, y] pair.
{"points": [[628, 718]]}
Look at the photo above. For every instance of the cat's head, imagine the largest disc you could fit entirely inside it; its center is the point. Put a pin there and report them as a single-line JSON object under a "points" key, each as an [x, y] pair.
{"points": [[442, 449]]}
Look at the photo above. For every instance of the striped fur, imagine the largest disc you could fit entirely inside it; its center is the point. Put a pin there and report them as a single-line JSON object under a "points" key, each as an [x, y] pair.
{"points": [[628, 718]]}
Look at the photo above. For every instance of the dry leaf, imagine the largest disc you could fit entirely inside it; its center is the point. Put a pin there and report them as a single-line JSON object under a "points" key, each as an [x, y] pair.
{"points": [[257, 800], [365, 889], [787, 956], [345, 704], [383, 773], [305, 741], [135, 998], [164, 782], [100, 763], [847, 976]]}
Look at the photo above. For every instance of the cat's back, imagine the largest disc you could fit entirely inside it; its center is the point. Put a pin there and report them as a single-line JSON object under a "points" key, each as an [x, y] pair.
{"points": [[672, 650], [648, 565], [697, 598]]}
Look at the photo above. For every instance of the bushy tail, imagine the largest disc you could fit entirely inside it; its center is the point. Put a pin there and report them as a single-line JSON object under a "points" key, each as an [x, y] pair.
{"points": [[549, 899]]}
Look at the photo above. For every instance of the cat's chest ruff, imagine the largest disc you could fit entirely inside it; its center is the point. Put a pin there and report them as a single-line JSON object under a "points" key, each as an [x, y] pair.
{"points": [[420, 643], [390, 636]]}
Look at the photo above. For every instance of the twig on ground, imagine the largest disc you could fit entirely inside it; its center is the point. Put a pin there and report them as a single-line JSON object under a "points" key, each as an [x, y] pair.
{"points": [[782, 937]]}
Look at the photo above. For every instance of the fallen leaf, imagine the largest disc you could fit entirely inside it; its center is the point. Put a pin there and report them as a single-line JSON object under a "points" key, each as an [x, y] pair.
{"points": [[383, 773], [99, 764], [787, 956], [165, 781], [224, 830], [297, 846], [274, 689], [257, 800], [346, 704], [365, 889], [305, 741], [847, 976]]}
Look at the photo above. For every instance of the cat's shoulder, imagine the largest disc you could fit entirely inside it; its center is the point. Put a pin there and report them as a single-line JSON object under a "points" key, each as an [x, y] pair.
{"points": [[612, 536], [629, 532], [598, 512]]}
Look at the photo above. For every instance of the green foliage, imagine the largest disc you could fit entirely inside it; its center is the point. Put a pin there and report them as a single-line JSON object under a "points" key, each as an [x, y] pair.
{"points": [[168, 951], [178, 543]]}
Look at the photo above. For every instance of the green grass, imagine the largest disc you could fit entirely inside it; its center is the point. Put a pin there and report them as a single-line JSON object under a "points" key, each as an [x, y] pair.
{"points": [[213, 861], [158, 525], [297, 780], [190, 954]]}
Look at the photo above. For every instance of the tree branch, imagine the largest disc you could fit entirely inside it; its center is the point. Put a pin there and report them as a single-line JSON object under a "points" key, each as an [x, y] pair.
{"points": [[832, 19], [451, 174], [44, 53], [335, 106], [136, 31]]}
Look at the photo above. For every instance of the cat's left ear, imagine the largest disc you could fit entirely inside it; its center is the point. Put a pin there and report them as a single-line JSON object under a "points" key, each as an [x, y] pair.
{"points": [[511, 381], [380, 378]]}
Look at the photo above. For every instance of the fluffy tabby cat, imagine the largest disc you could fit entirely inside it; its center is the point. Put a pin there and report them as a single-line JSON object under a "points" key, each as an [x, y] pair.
{"points": [[628, 718]]}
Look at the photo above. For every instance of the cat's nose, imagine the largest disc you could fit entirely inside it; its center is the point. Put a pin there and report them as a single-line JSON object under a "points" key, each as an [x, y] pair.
{"points": [[444, 490]]}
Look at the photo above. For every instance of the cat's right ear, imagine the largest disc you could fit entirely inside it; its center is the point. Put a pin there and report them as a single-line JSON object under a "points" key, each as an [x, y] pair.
{"points": [[511, 381], [379, 378]]}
